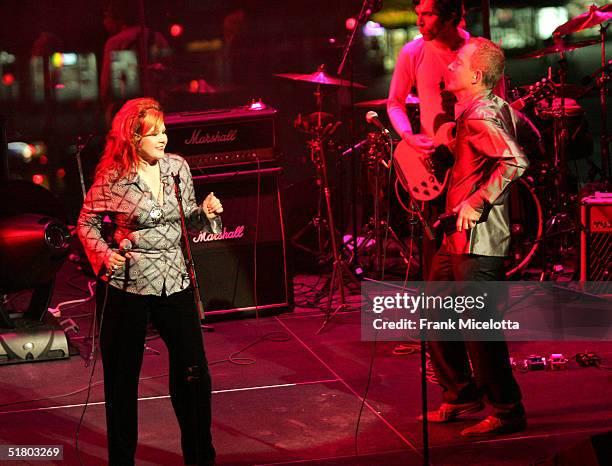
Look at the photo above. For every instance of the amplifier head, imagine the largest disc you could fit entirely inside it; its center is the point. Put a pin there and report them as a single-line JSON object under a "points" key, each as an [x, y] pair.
{"points": [[215, 138]]}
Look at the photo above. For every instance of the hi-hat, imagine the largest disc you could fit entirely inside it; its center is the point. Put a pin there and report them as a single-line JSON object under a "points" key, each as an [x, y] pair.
{"points": [[594, 17], [411, 101], [560, 47], [320, 77]]}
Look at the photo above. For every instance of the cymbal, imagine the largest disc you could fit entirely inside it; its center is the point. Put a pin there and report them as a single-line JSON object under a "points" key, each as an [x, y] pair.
{"points": [[320, 77], [200, 86], [594, 17], [411, 101], [560, 47]]}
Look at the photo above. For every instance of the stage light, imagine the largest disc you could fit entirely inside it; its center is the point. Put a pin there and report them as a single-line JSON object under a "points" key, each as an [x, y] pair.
{"points": [[176, 30], [33, 246], [61, 173], [38, 178], [43, 160], [548, 19], [8, 79], [21, 150], [57, 60], [350, 23], [373, 29]]}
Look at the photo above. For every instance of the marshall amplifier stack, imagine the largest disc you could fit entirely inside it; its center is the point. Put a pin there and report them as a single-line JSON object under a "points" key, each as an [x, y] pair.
{"points": [[234, 154], [596, 238]]}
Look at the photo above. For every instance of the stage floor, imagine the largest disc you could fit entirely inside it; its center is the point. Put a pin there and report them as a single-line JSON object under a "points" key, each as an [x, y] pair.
{"points": [[295, 397]]}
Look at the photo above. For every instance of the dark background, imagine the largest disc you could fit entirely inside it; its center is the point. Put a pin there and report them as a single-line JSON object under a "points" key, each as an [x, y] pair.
{"points": [[276, 37]]}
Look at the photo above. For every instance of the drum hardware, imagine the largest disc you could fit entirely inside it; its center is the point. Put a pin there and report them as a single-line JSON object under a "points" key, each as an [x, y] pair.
{"points": [[526, 226], [377, 230], [596, 16], [558, 111], [564, 112], [340, 268], [321, 126]]}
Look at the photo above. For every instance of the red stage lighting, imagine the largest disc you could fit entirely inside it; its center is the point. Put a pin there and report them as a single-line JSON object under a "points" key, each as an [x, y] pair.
{"points": [[350, 23], [176, 30], [38, 179], [8, 79]]}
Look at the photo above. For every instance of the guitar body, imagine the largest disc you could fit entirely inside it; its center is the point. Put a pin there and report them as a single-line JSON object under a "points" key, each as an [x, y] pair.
{"points": [[425, 176]]}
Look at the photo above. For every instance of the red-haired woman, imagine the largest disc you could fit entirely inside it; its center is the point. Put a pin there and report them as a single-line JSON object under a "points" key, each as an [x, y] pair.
{"points": [[134, 187]]}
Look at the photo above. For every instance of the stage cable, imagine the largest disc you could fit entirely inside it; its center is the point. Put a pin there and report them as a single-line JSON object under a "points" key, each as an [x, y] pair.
{"points": [[374, 342], [93, 357], [385, 241]]}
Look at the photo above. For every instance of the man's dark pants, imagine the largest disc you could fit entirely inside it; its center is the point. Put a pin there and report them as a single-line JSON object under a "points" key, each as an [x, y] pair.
{"points": [[490, 374]]}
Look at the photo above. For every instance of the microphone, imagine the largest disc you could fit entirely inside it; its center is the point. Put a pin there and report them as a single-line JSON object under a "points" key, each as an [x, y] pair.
{"points": [[125, 246], [372, 118]]}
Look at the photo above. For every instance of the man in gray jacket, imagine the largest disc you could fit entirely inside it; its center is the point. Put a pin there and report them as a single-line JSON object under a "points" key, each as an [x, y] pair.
{"points": [[487, 159]]}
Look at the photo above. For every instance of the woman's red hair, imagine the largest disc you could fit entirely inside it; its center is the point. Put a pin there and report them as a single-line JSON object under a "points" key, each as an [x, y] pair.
{"points": [[132, 121]]}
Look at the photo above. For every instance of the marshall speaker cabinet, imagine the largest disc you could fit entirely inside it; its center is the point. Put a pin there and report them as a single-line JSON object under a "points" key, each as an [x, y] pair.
{"points": [[245, 267], [596, 238]]}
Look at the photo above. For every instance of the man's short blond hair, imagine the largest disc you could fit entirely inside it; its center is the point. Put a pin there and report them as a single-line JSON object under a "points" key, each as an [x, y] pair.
{"points": [[489, 58]]}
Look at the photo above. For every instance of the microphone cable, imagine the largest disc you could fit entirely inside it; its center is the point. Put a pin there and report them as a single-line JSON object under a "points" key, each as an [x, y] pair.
{"points": [[373, 344], [92, 357]]}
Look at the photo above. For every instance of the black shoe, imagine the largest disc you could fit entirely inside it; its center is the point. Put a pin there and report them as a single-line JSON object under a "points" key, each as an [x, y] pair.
{"points": [[448, 412]]}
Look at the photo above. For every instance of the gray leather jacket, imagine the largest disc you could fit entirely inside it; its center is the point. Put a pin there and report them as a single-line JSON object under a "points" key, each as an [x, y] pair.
{"points": [[487, 159]]}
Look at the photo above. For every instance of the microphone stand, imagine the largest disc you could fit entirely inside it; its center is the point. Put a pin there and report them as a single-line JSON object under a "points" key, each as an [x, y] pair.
{"points": [[367, 8], [80, 145], [189, 263]]}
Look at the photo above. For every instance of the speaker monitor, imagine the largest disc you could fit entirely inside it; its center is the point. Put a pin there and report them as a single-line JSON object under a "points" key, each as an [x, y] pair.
{"points": [[244, 267]]}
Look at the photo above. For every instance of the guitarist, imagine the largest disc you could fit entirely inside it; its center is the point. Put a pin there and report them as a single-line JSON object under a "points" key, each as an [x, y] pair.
{"points": [[487, 159], [423, 64]]}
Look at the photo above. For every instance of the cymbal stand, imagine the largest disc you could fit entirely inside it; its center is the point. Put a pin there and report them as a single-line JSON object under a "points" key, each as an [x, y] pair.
{"points": [[602, 83], [340, 269], [319, 224], [561, 134], [560, 221], [320, 126]]}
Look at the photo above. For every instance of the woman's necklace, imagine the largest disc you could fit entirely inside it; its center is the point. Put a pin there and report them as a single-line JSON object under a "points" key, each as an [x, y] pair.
{"points": [[157, 213]]}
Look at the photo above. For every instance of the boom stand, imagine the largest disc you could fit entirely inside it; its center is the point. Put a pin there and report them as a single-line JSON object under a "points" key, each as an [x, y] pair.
{"points": [[340, 268]]}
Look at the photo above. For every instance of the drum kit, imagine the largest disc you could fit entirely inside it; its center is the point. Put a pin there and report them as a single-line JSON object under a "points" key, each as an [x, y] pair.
{"points": [[557, 110]]}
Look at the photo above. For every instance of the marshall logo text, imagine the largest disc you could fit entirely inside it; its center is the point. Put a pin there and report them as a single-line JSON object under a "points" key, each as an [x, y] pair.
{"points": [[208, 138], [205, 237]]}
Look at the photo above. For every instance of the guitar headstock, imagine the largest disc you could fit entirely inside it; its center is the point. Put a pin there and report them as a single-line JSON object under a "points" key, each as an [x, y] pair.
{"points": [[536, 92]]}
